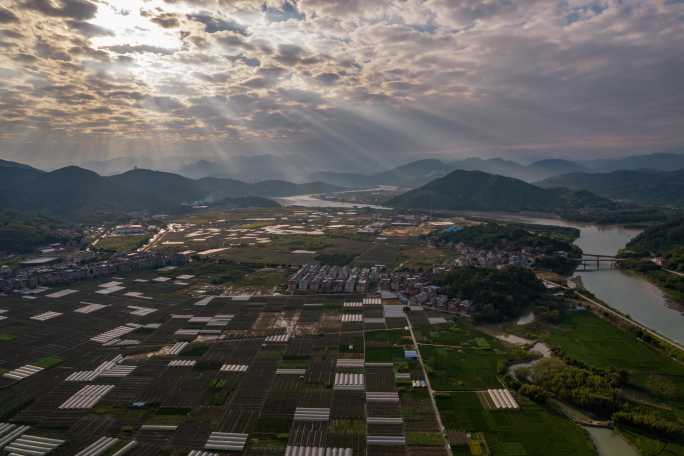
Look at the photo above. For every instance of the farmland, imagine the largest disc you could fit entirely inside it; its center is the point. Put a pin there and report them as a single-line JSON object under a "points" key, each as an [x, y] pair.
{"points": [[178, 366]]}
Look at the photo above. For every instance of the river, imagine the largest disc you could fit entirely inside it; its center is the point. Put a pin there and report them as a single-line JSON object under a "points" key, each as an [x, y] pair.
{"points": [[315, 201], [628, 293]]}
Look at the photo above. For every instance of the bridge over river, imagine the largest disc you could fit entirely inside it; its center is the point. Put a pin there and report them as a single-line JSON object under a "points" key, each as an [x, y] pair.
{"points": [[597, 262]]}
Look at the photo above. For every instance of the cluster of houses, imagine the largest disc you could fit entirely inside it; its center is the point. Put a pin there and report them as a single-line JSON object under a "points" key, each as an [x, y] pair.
{"points": [[469, 256], [59, 271], [417, 289], [333, 279]]}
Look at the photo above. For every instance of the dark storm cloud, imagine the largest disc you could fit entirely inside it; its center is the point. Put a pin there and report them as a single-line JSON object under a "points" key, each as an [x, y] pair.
{"points": [[232, 41], [48, 51], [139, 49], [88, 29], [166, 20], [292, 54], [163, 104], [77, 9], [377, 81], [7, 16], [214, 24], [328, 78]]}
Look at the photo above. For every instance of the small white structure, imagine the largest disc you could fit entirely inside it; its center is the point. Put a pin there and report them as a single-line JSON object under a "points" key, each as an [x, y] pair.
{"points": [[312, 414], [278, 338], [86, 397], [98, 447], [89, 307], [503, 399], [351, 363], [113, 334], [182, 363], [234, 368], [347, 381], [61, 294], [226, 441], [351, 318], [46, 316], [22, 372]]}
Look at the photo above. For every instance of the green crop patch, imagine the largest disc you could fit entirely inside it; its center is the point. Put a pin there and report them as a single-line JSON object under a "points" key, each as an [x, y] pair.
{"points": [[49, 361], [470, 369], [384, 355], [424, 438], [514, 432]]}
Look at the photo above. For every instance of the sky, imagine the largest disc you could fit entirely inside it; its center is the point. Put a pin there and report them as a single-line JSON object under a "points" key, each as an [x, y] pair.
{"points": [[339, 84]]}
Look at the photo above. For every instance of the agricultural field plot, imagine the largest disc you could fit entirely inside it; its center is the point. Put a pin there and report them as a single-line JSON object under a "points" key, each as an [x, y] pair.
{"points": [[172, 363], [248, 375], [463, 369], [531, 431], [270, 237], [417, 411]]}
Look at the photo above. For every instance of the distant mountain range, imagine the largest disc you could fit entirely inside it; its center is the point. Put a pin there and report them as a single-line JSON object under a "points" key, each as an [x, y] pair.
{"points": [[640, 186], [664, 161], [301, 168], [420, 172], [11, 164], [76, 192]]}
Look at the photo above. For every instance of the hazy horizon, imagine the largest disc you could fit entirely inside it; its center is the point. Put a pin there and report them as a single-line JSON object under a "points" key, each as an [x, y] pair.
{"points": [[348, 85]]}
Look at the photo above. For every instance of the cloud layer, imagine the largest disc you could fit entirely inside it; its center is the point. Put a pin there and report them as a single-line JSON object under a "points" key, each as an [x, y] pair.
{"points": [[343, 83]]}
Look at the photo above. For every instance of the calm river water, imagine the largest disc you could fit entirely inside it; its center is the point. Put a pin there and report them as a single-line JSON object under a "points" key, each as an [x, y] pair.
{"points": [[628, 293]]}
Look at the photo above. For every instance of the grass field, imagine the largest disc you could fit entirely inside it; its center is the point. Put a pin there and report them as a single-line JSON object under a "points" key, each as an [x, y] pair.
{"points": [[652, 447], [532, 431], [263, 279], [384, 354], [121, 244], [457, 369], [597, 343], [49, 361], [389, 337], [456, 334], [654, 377], [459, 357]]}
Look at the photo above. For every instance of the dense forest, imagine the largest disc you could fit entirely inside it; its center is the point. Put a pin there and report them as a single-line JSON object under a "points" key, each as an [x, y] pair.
{"points": [[490, 236], [496, 295], [666, 240], [477, 191], [22, 233]]}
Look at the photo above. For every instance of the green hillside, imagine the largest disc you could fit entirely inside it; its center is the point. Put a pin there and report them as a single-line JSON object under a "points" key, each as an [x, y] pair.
{"points": [[479, 191], [77, 193], [640, 186]]}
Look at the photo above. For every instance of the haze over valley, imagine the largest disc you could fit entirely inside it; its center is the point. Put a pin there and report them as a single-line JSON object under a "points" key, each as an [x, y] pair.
{"points": [[341, 228]]}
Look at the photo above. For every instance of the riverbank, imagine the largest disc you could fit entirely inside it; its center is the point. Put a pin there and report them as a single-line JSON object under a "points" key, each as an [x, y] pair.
{"points": [[584, 339], [671, 282]]}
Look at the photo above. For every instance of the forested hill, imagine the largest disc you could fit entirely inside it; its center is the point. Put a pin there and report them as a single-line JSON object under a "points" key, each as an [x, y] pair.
{"points": [[479, 191], [666, 240], [640, 186], [475, 190], [78, 193]]}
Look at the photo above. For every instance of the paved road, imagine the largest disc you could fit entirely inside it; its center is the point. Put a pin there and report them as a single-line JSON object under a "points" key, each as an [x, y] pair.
{"points": [[431, 392]]}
